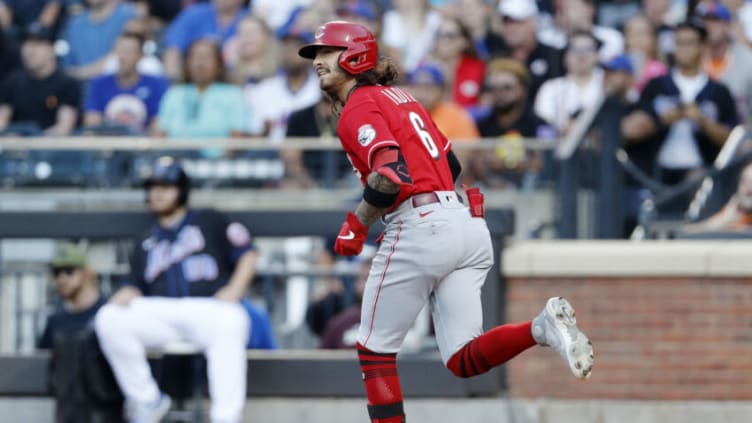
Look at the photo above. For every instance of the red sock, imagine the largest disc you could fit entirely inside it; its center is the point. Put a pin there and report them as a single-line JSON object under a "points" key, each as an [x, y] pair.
{"points": [[382, 386], [495, 347]]}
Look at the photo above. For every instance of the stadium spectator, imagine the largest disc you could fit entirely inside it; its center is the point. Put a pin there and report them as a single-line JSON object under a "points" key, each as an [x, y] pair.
{"points": [[510, 119], [726, 60], [663, 18], [251, 55], [294, 87], [39, 98], [741, 12], [277, 13], [126, 99], [165, 11], [218, 19], [203, 105], [409, 32], [736, 214], [150, 63], [454, 51], [560, 100], [361, 12], [579, 15], [15, 15], [10, 57], [188, 274], [92, 34], [641, 46], [76, 284], [519, 29], [76, 358], [618, 77], [428, 85], [691, 114], [325, 167], [615, 13]]}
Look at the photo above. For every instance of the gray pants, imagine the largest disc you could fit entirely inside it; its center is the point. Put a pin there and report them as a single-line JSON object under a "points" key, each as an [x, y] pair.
{"points": [[434, 253]]}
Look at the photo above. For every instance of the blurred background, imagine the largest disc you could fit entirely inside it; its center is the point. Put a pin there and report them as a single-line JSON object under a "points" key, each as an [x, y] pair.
{"points": [[610, 139]]}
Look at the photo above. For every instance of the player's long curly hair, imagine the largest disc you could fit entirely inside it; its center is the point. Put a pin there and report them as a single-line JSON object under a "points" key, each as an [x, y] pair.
{"points": [[384, 73]]}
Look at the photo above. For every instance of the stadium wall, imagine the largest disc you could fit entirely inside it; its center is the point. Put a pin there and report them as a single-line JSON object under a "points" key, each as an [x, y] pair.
{"points": [[668, 320]]}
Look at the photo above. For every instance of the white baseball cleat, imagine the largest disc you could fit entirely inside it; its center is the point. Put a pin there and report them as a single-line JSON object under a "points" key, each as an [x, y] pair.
{"points": [[556, 327]]}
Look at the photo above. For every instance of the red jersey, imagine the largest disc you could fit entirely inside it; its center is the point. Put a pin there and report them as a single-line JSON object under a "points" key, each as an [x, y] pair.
{"points": [[378, 116]]}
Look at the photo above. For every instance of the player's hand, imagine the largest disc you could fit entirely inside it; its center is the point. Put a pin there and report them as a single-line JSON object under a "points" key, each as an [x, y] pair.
{"points": [[351, 237], [125, 295], [229, 293]]}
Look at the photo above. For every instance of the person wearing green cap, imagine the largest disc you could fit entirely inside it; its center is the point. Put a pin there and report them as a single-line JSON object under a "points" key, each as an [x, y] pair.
{"points": [[79, 375], [76, 283]]}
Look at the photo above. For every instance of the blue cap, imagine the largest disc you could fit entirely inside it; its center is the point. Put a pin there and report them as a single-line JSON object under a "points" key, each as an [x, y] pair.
{"points": [[713, 10], [291, 29], [619, 63], [359, 8], [426, 74]]}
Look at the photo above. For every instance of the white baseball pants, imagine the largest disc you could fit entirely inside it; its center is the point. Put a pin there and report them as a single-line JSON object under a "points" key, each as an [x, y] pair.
{"points": [[220, 328]]}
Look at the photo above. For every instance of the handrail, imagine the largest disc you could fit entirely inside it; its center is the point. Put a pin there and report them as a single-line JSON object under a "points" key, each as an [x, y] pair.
{"points": [[109, 143], [576, 134], [722, 161]]}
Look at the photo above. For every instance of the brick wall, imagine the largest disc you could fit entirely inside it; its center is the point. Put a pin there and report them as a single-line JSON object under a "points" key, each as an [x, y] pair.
{"points": [[654, 338]]}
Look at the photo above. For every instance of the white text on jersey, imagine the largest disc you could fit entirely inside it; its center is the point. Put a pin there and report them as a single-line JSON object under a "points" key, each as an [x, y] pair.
{"points": [[398, 96]]}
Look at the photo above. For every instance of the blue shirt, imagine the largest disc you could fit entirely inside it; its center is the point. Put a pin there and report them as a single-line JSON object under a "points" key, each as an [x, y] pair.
{"points": [[89, 41], [133, 106], [198, 22]]}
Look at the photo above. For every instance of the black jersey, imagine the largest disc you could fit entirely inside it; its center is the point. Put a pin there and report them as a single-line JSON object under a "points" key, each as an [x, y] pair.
{"points": [[193, 259]]}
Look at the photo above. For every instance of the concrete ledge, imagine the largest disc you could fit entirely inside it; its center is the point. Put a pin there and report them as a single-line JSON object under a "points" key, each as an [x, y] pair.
{"points": [[625, 258], [304, 373], [450, 410]]}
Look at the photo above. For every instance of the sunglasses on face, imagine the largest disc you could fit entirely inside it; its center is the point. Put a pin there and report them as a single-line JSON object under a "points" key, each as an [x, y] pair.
{"points": [[67, 270]]}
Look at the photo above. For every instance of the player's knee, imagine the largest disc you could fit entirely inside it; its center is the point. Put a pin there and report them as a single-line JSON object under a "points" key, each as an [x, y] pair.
{"points": [[233, 321], [108, 319]]}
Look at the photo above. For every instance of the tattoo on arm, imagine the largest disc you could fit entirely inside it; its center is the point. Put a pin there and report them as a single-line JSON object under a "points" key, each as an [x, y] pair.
{"points": [[368, 214]]}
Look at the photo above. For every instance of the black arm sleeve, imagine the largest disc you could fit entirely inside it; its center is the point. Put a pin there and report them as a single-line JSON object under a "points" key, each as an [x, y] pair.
{"points": [[454, 165]]}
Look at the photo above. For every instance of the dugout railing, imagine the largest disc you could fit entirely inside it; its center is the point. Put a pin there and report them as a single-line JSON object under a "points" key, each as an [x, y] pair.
{"points": [[270, 373]]}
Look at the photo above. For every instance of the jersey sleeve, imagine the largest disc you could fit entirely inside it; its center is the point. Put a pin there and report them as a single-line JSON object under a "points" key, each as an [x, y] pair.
{"points": [[365, 131], [235, 238]]}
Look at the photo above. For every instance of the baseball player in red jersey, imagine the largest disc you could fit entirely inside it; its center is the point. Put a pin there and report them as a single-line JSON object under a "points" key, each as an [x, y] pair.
{"points": [[434, 248]]}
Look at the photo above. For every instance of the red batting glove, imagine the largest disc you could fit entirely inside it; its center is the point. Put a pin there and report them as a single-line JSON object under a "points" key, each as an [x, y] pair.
{"points": [[351, 237]]}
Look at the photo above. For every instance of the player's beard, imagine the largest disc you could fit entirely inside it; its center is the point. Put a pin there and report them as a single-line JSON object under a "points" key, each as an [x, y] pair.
{"points": [[331, 82]]}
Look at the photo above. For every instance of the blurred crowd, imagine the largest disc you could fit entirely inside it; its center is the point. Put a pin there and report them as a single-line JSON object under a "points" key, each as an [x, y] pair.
{"points": [[499, 69]]}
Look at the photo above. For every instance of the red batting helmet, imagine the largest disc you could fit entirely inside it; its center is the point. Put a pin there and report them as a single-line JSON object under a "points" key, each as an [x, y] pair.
{"points": [[361, 50]]}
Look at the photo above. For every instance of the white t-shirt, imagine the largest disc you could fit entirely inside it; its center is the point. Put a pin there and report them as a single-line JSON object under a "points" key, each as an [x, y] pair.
{"points": [[559, 98], [680, 150], [272, 101], [414, 47]]}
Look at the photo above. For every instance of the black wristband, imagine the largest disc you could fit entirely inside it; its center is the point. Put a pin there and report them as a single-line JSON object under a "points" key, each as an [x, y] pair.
{"points": [[379, 199]]}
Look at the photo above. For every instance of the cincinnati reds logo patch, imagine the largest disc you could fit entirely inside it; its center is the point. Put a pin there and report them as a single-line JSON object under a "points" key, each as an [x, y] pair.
{"points": [[366, 134]]}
